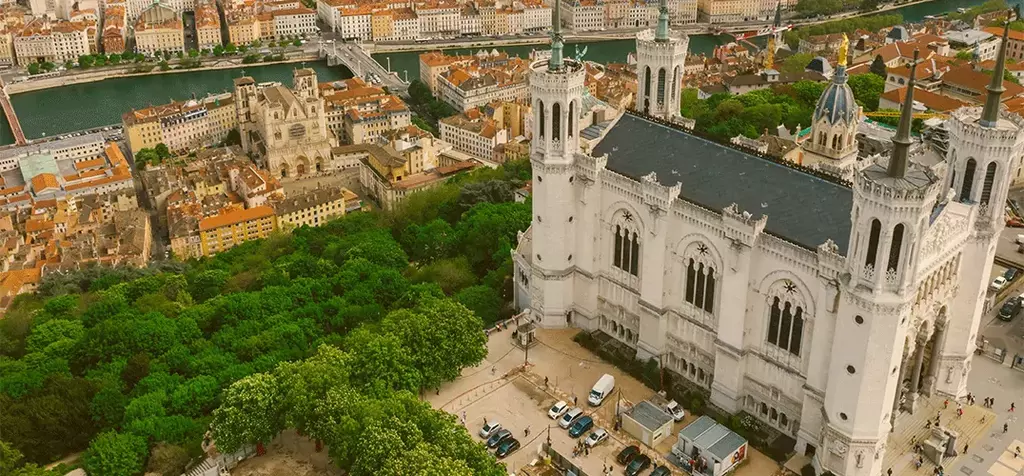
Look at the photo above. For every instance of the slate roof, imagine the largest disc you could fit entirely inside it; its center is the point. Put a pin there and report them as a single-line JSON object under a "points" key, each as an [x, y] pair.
{"points": [[837, 102], [801, 207]]}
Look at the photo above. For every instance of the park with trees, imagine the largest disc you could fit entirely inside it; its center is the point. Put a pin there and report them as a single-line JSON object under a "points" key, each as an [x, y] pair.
{"points": [[331, 331]]}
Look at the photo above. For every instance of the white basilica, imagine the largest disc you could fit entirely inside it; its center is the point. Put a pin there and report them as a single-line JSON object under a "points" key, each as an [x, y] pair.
{"points": [[823, 308]]}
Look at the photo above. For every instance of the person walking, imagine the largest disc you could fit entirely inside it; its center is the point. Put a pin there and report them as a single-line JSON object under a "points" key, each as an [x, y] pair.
{"points": [[1005, 427], [965, 447], [1012, 406], [889, 472]]}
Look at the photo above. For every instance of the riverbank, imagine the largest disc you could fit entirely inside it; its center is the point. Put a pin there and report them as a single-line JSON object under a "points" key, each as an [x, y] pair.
{"points": [[124, 73]]}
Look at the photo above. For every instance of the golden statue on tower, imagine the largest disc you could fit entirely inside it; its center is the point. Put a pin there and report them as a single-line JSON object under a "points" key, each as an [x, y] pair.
{"points": [[769, 54], [844, 50]]}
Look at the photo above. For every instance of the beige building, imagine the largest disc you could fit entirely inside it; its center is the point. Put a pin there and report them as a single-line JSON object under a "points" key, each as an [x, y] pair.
{"points": [[389, 175], [207, 25], [182, 125], [234, 227], [6, 48], [312, 208], [113, 30], [473, 134], [42, 40], [359, 113], [159, 28], [728, 11], [294, 22], [285, 129], [243, 30], [433, 64]]}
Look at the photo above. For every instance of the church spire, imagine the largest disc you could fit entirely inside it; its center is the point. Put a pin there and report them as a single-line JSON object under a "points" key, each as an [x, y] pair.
{"points": [[901, 143], [555, 63], [662, 32], [990, 115], [778, 14]]}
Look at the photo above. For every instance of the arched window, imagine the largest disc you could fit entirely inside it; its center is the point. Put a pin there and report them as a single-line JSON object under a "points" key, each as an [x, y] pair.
{"points": [[661, 86], [691, 275], [990, 177], [627, 250], [894, 249], [783, 420], [821, 139], [965, 190], [647, 82], [835, 142], [952, 178], [699, 295], [786, 326], [700, 285], [572, 117], [876, 229], [556, 121], [541, 117], [675, 88]]}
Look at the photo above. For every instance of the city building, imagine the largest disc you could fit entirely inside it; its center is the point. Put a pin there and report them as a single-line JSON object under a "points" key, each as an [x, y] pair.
{"points": [[831, 146], [243, 30], [6, 48], [440, 18], [583, 15], [824, 319], [182, 126], [928, 101], [159, 28], [1015, 42], [728, 11], [489, 77], [821, 44], [207, 25], [434, 64], [473, 134], [293, 23], [113, 36], [135, 8], [389, 176], [358, 113], [42, 40], [234, 227], [982, 44], [284, 129], [312, 208]]}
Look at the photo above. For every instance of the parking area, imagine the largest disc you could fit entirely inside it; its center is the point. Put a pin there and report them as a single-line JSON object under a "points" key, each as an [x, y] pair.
{"points": [[499, 390]]}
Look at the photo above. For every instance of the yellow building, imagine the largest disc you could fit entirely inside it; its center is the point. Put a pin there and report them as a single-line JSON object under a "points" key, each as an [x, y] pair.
{"points": [[159, 28], [243, 31], [728, 11], [207, 25], [382, 25], [6, 48], [182, 125], [234, 227], [313, 208]]}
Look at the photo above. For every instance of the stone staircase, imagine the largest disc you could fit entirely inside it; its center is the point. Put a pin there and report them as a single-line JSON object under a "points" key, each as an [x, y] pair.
{"points": [[910, 429]]}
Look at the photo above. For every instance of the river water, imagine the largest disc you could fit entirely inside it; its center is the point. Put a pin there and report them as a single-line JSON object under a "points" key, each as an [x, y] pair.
{"points": [[55, 111]]}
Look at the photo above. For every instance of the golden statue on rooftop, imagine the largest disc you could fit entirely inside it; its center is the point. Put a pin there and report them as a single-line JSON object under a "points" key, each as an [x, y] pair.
{"points": [[844, 50]]}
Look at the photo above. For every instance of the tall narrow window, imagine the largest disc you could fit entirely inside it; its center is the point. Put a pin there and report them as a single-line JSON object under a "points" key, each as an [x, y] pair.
{"points": [[661, 86], [675, 89], [773, 323], [965, 190], [709, 294], [990, 177], [634, 265], [876, 228], [647, 83], [699, 297], [787, 321], [897, 245], [556, 121], [798, 332], [541, 117], [952, 179], [617, 258], [835, 142], [691, 275], [572, 117]]}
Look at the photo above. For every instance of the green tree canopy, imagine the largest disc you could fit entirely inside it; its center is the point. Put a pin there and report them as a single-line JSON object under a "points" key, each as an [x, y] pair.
{"points": [[115, 454]]}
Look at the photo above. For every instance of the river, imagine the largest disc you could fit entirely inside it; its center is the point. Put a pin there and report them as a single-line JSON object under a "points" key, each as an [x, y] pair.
{"points": [[83, 106]]}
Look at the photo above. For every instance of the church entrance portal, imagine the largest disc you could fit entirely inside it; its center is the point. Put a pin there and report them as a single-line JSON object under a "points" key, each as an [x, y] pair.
{"points": [[300, 169]]}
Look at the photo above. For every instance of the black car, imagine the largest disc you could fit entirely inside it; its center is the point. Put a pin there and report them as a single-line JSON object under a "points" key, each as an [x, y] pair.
{"points": [[507, 447], [637, 465], [1010, 308], [1011, 274], [498, 437], [627, 454], [661, 471]]}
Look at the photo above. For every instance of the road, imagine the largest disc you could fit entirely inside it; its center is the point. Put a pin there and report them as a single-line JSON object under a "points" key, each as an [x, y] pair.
{"points": [[359, 61]]}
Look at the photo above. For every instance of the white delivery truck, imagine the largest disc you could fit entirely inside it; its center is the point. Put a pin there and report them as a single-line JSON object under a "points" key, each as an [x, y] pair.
{"points": [[602, 389]]}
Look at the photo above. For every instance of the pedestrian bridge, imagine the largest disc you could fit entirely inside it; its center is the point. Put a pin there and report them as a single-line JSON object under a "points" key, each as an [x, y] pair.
{"points": [[359, 61], [12, 118]]}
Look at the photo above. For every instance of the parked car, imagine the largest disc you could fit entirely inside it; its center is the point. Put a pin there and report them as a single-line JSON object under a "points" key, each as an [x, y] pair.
{"points": [[637, 465], [1011, 274], [507, 447], [569, 417], [998, 283], [676, 410], [498, 437], [558, 409], [627, 454], [596, 437], [661, 471], [581, 426], [1010, 308], [489, 429]]}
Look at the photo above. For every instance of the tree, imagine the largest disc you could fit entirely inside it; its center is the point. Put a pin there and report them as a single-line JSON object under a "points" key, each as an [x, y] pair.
{"points": [[380, 363], [33, 68], [297, 42], [86, 61], [193, 53], [146, 157], [484, 301], [164, 66], [488, 228], [162, 151], [230, 48], [796, 63], [965, 55], [867, 89], [167, 460], [115, 454], [250, 412], [115, 59], [218, 50], [452, 274], [430, 242], [878, 67], [196, 397]]}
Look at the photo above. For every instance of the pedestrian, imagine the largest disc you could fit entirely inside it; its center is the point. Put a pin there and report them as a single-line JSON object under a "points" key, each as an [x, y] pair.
{"points": [[463, 415], [492, 370], [1005, 427], [574, 400], [965, 447], [527, 431], [586, 450], [485, 421], [889, 473], [1012, 406], [1016, 453], [945, 404]]}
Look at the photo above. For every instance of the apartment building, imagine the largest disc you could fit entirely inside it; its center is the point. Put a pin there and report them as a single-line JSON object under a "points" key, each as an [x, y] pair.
{"points": [[471, 22], [294, 22], [1014, 43], [42, 40], [113, 36], [405, 25], [583, 15], [536, 17], [728, 11], [234, 227], [489, 77], [433, 64], [440, 18], [359, 113], [981, 43], [207, 25], [243, 30], [181, 125], [311, 208], [159, 28], [473, 134], [6, 48], [134, 8], [389, 174]]}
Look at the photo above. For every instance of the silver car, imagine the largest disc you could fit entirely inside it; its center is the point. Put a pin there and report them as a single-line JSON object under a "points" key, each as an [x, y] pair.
{"points": [[596, 438], [489, 429]]}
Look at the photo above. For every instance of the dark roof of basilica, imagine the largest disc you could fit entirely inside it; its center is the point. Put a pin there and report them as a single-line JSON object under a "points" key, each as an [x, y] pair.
{"points": [[801, 208]]}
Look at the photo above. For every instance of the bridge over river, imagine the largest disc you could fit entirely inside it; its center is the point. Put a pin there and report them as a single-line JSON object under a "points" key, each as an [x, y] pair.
{"points": [[359, 61]]}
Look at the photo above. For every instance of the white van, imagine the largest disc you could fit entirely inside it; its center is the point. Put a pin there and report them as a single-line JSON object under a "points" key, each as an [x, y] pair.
{"points": [[602, 389]]}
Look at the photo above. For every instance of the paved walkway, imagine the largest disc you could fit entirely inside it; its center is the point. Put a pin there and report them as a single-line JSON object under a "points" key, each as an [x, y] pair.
{"points": [[993, 453], [911, 429]]}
